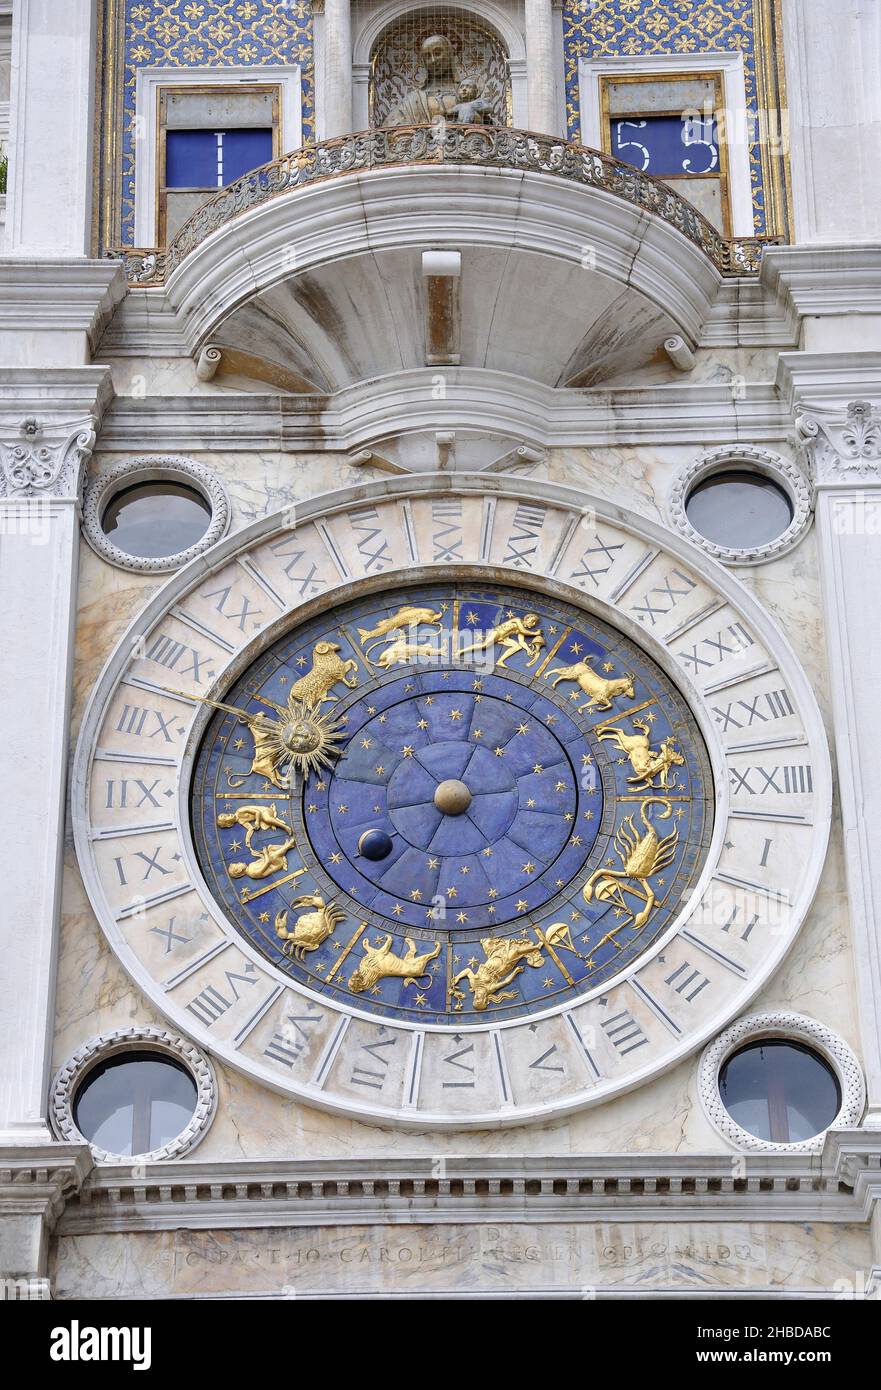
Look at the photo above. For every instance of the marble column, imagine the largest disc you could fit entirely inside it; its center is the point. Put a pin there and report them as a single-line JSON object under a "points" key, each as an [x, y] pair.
{"points": [[337, 85], [846, 457], [48, 423], [49, 198], [834, 98], [541, 84]]}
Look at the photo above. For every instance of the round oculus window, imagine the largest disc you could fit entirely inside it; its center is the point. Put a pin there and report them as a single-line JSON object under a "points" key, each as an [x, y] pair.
{"points": [[135, 1103], [152, 520], [739, 509], [780, 1091]]}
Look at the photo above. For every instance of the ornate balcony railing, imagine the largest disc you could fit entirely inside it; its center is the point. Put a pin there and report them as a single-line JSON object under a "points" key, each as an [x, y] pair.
{"points": [[474, 146]]}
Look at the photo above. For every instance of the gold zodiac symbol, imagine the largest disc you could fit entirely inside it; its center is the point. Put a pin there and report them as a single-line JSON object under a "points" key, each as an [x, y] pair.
{"points": [[311, 929], [502, 965], [379, 963], [398, 622], [327, 670], [251, 819], [641, 857], [601, 691], [647, 762], [264, 862], [513, 635]]}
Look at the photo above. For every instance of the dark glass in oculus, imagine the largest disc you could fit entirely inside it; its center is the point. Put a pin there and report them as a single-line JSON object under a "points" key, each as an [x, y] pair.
{"points": [[780, 1091], [739, 509], [135, 1103], [156, 519]]}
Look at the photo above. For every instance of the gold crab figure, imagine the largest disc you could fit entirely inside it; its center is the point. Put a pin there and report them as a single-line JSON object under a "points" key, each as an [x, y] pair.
{"points": [[513, 635], [311, 929], [647, 762], [641, 857], [504, 957]]}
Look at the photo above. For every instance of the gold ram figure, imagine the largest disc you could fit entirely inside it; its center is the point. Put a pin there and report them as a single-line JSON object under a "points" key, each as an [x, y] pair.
{"points": [[328, 669], [380, 962], [641, 857]]}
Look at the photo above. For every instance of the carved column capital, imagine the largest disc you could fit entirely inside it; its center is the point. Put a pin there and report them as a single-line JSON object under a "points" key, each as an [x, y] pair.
{"points": [[843, 449], [46, 460]]}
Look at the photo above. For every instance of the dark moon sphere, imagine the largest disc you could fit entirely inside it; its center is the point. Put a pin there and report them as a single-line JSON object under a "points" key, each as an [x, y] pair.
{"points": [[375, 844]]}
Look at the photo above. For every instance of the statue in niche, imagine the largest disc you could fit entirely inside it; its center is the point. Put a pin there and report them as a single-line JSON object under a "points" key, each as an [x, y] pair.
{"points": [[439, 90]]}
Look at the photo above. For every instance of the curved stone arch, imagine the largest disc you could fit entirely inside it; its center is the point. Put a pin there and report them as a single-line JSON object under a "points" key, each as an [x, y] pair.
{"points": [[493, 16], [716, 598]]}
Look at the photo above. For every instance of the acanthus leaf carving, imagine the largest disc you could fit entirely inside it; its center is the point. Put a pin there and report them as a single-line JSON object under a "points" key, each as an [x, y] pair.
{"points": [[838, 450], [34, 466]]}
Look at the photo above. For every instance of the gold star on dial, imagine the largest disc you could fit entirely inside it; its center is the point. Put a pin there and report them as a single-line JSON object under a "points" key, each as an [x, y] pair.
{"points": [[422, 724], [366, 742], [538, 768], [335, 859], [499, 752], [239, 743], [397, 909], [523, 728], [461, 916], [528, 869], [522, 904], [455, 714], [407, 750], [416, 894], [452, 892], [264, 917], [432, 863]]}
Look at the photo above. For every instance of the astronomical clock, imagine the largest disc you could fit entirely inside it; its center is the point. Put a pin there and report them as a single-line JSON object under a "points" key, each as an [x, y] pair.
{"points": [[447, 807]]}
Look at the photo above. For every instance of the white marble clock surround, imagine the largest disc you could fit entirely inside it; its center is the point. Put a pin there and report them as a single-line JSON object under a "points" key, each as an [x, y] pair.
{"points": [[501, 1096]]}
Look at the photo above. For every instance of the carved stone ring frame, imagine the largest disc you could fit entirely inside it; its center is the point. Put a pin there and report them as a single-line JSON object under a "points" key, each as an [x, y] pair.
{"points": [[147, 469], [746, 458], [691, 616], [786, 1027], [114, 1044]]}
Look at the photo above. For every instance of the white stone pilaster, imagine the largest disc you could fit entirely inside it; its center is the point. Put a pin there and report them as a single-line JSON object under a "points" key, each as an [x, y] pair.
{"points": [[337, 68], [49, 210], [833, 79], [541, 67], [846, 456], [48, 423]]}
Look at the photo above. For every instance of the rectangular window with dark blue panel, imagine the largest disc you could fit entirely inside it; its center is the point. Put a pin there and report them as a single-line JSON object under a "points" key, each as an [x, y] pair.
{"points": [[214, 158], [667, 146]]}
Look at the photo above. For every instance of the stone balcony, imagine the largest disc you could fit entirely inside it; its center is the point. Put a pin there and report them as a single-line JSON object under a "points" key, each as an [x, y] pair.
{"points": [[475, 146], [309, 273]]}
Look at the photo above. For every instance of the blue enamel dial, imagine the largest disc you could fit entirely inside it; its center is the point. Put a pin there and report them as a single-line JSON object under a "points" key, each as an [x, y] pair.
{"points": [[515, 804]]}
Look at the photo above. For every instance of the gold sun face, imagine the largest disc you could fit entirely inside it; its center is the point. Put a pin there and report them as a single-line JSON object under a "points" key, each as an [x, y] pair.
{"points": [[307, 740]]}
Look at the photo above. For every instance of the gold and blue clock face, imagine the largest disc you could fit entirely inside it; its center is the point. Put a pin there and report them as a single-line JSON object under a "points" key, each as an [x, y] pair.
{"points": [[452, 805]]}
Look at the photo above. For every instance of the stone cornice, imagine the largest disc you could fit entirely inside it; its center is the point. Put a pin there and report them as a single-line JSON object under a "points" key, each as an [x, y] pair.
{"points": [[475, 400], [824, 280], [841, 1184], [61, 295], [37, 1179]]}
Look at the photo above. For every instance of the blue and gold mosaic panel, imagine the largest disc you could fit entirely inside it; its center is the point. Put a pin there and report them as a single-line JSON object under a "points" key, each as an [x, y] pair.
{"points": [[642, 28], [206, 34]]}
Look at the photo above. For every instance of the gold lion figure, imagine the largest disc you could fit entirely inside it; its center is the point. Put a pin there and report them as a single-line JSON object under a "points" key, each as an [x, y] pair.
{"points": [[379, 962]]}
